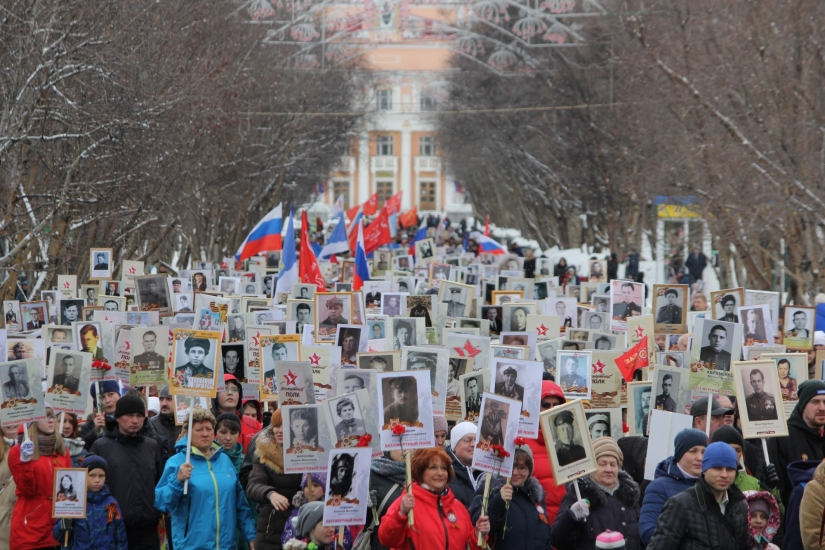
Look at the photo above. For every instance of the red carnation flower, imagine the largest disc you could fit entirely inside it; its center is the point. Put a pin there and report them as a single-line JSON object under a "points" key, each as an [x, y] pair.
{"points": [[364, 440], [519, 441], [399, 429]]}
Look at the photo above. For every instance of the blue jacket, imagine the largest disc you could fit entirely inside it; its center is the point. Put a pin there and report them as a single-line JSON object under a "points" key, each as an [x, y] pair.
{"points": [[800, 473], [668, 481], [95, 531], [215, 506]]}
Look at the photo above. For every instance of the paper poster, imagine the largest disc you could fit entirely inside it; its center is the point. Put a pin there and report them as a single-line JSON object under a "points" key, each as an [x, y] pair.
{"points": [[626, 301], [352, 418], [405, 405], [758, 391], [195, 357], [68, 383], [473, 347], [306, 440], [670, 306], [663, 429], [22, 393], [69, 498], [545, 327], [67, 285], [520, 380], [605, 379], [604, 423], [575, 373], [182, 407], [715, 345], [799, 328], [123, 352], [321, 359], [254, 333], [435, 360], [148, 357], [792, 370], [458, 367], [273, 349], [294, 383], [471, 387], [498, 427], [638, 407], [567, 439], [348, 487], [638, 328]]}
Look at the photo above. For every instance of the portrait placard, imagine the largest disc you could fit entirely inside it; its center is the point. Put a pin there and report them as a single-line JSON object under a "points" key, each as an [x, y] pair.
{"points": [[147, 363], [546, 352], [100, 263], [723, 304], [638, 328], [67, 285], [471, 386], [352, 339], [274, 349], [758, 327], [380, 360], [715, 345], [757, 388], [458, 298], [68, 381], [322, 360], [195, 357], [757, 352], [69, 498], [664, 427], [22, 393], [605, 380], [131, 269], [404, 398], [626, 301], [598, 271], [406, 331], [670, 305], [575, 376], [671, 388], [567, 439], [181, 403], [498, 426], [34, 315], [56, 337], [604, 423], [352, 416], [306, 438], [791, 370], [472, 347], [425, 251], [152, 293], [458, 367], [593, 320], [771, 299], [435, 360], [352, 380], [14, 321], [501, 297], [638, 407], [799, 328], [253, 335], [348, 487], [301, 312], [521, 284], [520, 380], [331, 309]]}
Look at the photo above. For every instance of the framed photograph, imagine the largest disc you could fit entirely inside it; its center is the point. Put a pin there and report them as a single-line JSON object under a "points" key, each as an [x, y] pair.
{"points": [[757, 385], [406, 331], [352, 339], [498, 426], [385, 361], [152, 293], [35, 315], [597, 272], [380, 262], [575, 379], [52, 299], [13, 318], [68, 381], [148, 361], [405, 398], [715, 345], [670, 304], [353, 380], [567, 438], [195, 356], [347, 271], [626, 300], [306, 445], [302, 312], [421, 307], [458, 298], [501, 297], [57, 336], [601, 302], [201, 280], [69, 498], [760, 297], [671, 386], [425, 251], [304, 292], [274, 349], [546, 353], [593, 320], [511, 262], [723, 304], [88, 312], [331, 309], [22, 392], [799, 328], [791, 370], [520, 380], [470, 387], [349, 422], [435, 360], [638, 407], [603, 341], [604, 423], [348, 487], [393, 304], [100, 263], [112, 288], [402, 262]]}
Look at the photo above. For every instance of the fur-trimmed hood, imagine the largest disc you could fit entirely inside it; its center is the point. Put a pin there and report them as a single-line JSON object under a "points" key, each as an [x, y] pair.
{"points": [[627, 493], [532, 487], [269, 452]]}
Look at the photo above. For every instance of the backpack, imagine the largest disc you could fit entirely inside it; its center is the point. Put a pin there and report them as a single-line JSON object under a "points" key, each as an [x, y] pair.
{"points": [[365, 536]]}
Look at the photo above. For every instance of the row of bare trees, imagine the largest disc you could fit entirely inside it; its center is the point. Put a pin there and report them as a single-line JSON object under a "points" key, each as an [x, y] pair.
{"points": [[722, 102], [162, 129]]}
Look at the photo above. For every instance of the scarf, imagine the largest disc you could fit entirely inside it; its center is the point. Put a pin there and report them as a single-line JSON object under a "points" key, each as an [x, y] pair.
{"points": [[605, 489], [392, 470], [46, 444]]}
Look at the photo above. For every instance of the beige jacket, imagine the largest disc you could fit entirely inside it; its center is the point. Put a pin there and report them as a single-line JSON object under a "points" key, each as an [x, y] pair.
{"points": [[812, 509], [7, 500]]}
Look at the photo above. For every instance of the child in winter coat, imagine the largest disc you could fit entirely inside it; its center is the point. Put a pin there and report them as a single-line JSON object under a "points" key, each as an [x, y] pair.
{"points": [[103, 525], [313, 493], [763, 519], [227, 433]]}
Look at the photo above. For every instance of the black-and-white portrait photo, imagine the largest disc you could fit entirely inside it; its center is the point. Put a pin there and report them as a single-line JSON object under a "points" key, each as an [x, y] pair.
{"points": [[546, 351], [194, 368], [798, 327], [601, 303], [342, 471], [100, 263], [346, 416], [725, 307], [593, 320], [760, 394], [377, 361], [404, 333], [392, 305], [568, 440], [229, 285], [69, 311], [756, 329], [641, 406], [717, 345], [667, 387], [67, 371], [565, 309], [598, 271], [493, 426], [669, 304], [152, 292], [473, 388], [232, 357], [303, 427], [417, 360], [15, 379], [573, 371], [349, 339], [352, 381], [402, 395], [421, 307]]}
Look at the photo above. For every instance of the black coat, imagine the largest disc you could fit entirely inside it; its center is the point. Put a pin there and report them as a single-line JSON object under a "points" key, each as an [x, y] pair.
{"points": [[382, 485], [165, 428], [692, 520], [527, 523], [617, 512], [135, 466], [89, 433], [461, 485], [802, 443]]}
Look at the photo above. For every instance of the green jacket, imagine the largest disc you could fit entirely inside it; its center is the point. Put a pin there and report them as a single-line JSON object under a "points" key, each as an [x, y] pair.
{"points": [[746, 482]]}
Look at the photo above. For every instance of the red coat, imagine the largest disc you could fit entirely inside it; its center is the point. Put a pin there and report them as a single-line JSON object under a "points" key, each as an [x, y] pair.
{"points": [[541, 462], [433, 529], [31, 519]]}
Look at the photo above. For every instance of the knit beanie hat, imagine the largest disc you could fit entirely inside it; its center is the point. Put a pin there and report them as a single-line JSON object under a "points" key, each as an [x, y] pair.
{"points": [[129, 404], [610, 539], [308, 517], [106, 386], [439, 424], [607, 446], [808, 390], [719, 455], [93, 462], [687, 439], [729, 435], [228, 418], [461, 430]]}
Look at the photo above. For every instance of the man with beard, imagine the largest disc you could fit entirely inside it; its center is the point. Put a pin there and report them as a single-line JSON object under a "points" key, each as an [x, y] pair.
{"points": [[566, 450], [494, 424], [404, 406], [340, 483]]}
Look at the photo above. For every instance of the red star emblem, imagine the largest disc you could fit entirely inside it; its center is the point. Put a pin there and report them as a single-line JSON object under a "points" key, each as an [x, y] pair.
{"points": [[255, 340], [542, 330], [66, 285], [315, 359], [369, 349], [598, 367], [468, 350], [132, 270], [128, 345], [291, 378], [640, 332]]}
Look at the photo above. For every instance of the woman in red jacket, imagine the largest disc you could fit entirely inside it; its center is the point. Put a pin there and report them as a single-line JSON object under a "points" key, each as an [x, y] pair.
{"points": [[441, 521], [551, 396], [32, 465]]}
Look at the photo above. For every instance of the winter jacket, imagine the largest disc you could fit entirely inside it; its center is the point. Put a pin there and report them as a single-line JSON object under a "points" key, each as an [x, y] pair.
{"points": [[164, 426], [382, 485], [553, 494], [267, 476], [761, 540], [101, 529], [802, 443], [812, 511], [692, 520], [214, 506], [667, 482], [236, 456], [31, 520], [617, 512], [800, 473], [461, 485], [7, 500], [441, 522], [527, 525], [88, 432], [77, 450], [135, 466]]}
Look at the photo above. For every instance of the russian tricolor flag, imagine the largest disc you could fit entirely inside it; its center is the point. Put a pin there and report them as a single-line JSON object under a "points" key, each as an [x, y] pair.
{"points": [[486, 245], [362, 270], [264, 237]]}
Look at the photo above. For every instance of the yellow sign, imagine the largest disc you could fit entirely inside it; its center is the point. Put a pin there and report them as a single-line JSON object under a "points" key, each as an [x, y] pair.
{"points": [[675, 211]]}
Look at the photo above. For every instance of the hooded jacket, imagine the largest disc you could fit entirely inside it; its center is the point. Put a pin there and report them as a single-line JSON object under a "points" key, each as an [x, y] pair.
{"points": [[215, 505], [762, 540], [802, 443], [101, 529], [164, 426], [668, 481], [7, 498], [553, 495], [800, 473], [618, 512], [249, 426], [461, 485], [527, 524], [812, 510]]}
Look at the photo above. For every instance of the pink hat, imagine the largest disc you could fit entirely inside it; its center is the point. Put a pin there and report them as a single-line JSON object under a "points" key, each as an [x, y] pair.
{"points": [[610, 539]]}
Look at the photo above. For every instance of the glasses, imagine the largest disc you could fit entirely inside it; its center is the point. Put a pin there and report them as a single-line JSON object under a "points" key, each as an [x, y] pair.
{"points": [[232, 390]]}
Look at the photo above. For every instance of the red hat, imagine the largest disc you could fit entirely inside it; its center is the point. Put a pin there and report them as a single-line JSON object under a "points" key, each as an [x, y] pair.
{"points": [[551, 389]]}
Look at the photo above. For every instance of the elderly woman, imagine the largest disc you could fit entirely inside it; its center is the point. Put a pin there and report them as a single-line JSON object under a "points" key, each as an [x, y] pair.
{"points": [[609, 500], [526, 522], [441, 521], [214, 506]]}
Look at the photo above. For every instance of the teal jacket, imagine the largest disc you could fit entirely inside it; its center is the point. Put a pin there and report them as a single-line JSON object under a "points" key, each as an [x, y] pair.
{"points": [[215, 506]]}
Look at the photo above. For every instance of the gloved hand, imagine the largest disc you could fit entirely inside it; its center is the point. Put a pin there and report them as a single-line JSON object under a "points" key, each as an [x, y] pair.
{"points": [[771, 476], [26, 451], [373, 498], [581, 509], [299, 499]]}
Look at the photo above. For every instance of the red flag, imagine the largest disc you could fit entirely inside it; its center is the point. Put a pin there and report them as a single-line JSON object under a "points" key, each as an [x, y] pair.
{"points": [[378, 233], [370, 207], [352, 212], [634, 358], [393, 204], [409, 218], [308, 268], [487, 227]]}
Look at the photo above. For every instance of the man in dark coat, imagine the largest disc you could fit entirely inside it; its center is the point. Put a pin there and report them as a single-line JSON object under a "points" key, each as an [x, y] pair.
{"points": [[696, 263], [711, 514], [164, 423]]}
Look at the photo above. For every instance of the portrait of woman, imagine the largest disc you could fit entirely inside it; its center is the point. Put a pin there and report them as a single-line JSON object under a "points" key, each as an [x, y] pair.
{"points": [[198, 282], [303, 428], [67, 490], [787, 384]]}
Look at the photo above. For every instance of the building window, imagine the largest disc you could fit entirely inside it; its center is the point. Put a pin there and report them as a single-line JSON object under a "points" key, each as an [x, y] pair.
{"points": [[344, 148], [428, 101], [426, 200], [341, 187], [385, 99], [384, 189], [383, 146], [426, 146]]}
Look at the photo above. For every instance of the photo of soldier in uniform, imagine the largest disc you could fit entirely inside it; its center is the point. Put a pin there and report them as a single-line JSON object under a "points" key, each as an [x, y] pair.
{"points": [[669, 383], [15, 379], [195, 361], [760, 404], [402, 395], [331, 310], [627, 299], [493, 426], [506, 382], [670, 305], [568, 440], [473, 387]]}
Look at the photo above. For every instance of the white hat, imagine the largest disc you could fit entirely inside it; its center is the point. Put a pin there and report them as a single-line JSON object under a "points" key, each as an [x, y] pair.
{"points": [[461, 430], [154, 405], [819, 338]]}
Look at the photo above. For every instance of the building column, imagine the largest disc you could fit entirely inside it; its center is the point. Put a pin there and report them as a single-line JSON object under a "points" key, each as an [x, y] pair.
{"points": [[363, 169], [407, 155]]}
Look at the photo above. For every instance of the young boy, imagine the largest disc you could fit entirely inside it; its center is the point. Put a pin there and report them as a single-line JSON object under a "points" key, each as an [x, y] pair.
{"points": [[763, 519], [103, 525], [227, 432]]}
